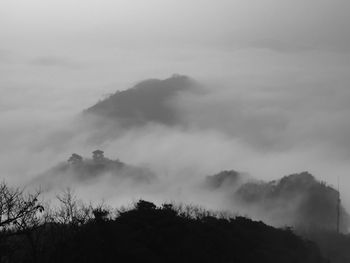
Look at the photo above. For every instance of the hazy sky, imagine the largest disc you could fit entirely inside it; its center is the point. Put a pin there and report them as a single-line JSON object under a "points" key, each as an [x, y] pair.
{"points": [[90, 46], [285, 63], [51, 50]]}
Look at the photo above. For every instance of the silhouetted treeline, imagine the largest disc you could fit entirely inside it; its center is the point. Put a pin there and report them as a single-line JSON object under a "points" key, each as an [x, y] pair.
{"points": [[334, 246], [75, 232]]}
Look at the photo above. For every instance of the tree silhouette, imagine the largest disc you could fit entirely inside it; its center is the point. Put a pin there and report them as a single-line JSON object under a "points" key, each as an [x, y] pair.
{"points": [[75, 159], [98, 156]]}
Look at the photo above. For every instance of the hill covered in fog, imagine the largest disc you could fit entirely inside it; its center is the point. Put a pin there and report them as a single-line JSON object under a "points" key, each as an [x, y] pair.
{"points": [[148, 101], [78, 170], [160, 121], [299, 200]]}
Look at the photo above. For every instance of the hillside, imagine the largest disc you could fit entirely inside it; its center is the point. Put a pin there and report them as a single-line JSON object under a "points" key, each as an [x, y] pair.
{"points": [[147, 233], [299, 200], [77, 170], [148, 101]]}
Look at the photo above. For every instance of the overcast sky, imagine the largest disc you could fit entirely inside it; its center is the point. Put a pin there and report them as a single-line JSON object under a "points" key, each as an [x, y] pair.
{"points": [[89, 45], [286, 62]]}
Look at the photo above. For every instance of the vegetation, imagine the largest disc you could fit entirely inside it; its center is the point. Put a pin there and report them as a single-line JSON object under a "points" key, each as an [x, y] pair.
{"points": [[298, 200], [78, 169], [333, 245], [75, 232], [146, 102]]}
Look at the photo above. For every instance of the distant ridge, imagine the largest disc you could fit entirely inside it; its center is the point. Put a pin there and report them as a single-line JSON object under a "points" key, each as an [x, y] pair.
{"points": [[78, 170], [299, 199], [147, 101]]}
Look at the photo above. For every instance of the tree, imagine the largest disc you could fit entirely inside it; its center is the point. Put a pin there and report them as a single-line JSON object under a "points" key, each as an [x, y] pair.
{"points": [[20, 213], [17, 209], [98, 156], [72, 210], [145, 205], [75, 159]]}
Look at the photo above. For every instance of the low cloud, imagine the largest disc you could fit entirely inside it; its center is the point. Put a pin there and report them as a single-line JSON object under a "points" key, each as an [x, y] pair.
{"points": [[280, 46], [50, 61]]}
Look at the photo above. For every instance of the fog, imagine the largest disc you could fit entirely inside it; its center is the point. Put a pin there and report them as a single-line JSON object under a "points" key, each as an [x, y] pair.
{"points": [[274, 75]]}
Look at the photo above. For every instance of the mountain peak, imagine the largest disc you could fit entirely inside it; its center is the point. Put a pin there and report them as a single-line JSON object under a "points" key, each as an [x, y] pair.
{"points": [[147, 101]]}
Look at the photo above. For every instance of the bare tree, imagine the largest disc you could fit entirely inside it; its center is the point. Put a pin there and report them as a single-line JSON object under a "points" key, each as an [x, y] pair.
{"points": [[18, 210], [20, 213], [71, 210]]}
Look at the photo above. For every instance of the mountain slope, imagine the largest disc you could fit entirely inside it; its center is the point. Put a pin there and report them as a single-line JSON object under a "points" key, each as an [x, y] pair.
{"points": [[148, 101], [298, 200], [79, 170]]}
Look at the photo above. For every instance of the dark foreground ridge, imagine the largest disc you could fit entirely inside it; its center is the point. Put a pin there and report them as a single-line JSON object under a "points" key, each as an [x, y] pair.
{"points": [[147, 233]]}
